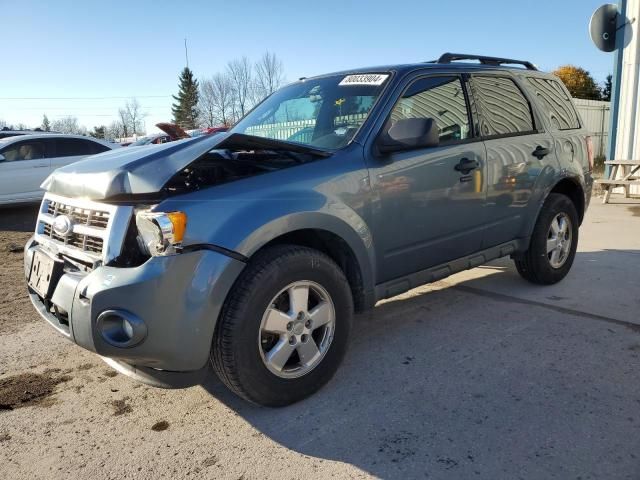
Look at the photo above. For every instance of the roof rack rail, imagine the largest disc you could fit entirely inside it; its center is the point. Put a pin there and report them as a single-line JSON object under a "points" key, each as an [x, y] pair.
{"points": [[497, 61]]}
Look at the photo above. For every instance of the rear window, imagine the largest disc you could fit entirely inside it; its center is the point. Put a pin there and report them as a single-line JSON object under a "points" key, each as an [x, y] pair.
{"points": [[503, 107], [555, 102]]}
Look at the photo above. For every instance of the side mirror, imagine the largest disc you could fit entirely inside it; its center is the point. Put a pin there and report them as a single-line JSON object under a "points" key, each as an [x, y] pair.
{"points": [[2, 158], [409, 134]]}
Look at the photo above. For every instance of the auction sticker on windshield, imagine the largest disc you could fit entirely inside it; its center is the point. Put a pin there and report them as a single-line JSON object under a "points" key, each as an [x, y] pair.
{"points": [[364, 79]]}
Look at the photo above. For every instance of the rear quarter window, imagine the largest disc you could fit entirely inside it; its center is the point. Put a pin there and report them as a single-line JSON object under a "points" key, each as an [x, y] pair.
{"points": [[555, 103]]}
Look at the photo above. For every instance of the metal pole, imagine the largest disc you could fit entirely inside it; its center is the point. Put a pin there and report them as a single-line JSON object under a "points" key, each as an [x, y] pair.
{"points": [[615, 87]]}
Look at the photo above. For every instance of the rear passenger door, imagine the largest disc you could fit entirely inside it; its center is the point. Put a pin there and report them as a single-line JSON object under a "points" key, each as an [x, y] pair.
{"points": [[519, 151], [69, 150]]}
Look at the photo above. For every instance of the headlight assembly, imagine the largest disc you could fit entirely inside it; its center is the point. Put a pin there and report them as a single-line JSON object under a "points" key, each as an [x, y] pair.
{"points": [[160, 233]]}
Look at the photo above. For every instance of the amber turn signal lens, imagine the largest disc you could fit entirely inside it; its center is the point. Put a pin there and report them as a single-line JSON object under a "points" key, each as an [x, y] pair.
{"points": [[179, 221]]}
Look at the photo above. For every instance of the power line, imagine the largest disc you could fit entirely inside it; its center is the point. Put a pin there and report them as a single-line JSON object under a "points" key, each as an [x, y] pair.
{"points": [[84, 98]]}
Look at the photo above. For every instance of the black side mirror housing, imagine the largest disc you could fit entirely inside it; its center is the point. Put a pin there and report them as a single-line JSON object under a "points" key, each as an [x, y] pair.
{"points": [[409, 134]]}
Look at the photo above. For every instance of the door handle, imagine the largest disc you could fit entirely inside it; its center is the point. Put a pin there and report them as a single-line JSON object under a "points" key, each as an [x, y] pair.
{"points": [[541, 152], [466, 165]]}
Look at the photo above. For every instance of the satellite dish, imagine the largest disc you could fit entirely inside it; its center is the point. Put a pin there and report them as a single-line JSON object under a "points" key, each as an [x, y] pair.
{"points": [[603, 27]]}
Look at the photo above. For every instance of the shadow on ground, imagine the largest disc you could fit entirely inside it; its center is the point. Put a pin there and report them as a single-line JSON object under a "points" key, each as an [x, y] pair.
{"points": [[452, 383], [18, 219]]}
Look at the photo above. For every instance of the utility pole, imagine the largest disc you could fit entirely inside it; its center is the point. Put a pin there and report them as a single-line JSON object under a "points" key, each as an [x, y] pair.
{"points": [[186, 52]]}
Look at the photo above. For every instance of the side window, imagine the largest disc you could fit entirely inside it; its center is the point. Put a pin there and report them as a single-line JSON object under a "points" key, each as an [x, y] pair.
{"points": [[555, 102], [503, 108], [24, 151], [71, 147], [96, 147], [439, 98]]}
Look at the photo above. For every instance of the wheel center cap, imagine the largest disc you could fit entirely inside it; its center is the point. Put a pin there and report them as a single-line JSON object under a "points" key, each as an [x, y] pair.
{"points": [[298, 328]]}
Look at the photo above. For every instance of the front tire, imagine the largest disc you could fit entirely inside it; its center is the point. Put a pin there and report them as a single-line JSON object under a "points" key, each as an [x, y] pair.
{"points": [[284, 328], [553, 243]]}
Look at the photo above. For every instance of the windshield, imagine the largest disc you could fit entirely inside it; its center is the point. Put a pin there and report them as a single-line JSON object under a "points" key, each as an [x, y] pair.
{"points": [[323, 113]]}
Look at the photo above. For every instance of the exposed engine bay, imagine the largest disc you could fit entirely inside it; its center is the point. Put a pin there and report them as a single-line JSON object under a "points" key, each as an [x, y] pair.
{"points": [[222, 166]]}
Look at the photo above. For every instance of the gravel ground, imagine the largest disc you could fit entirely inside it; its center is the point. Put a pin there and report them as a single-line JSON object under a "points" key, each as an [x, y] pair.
{"points": [[460, 379]]}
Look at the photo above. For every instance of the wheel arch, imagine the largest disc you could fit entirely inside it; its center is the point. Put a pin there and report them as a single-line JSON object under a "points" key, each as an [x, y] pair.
{"points": [[344, 246], [571, 188]]}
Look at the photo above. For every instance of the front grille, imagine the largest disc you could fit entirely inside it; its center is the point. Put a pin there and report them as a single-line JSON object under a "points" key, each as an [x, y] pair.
{"points": [[89, 239], [86, 243], [83, 216], [96, 231]]}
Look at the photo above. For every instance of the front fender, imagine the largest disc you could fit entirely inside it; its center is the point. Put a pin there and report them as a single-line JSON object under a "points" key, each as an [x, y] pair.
{"points": [[244, 218]]}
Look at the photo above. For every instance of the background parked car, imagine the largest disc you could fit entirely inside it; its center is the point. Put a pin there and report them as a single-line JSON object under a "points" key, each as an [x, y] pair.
{"points": [[6, 132], [26, 160]]}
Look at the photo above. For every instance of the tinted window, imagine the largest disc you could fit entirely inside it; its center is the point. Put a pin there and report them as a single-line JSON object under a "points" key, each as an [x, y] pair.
{"points": [[71, 147], [24, 151], [556, 103], [97, 147], [503, 107], [439, 98]]}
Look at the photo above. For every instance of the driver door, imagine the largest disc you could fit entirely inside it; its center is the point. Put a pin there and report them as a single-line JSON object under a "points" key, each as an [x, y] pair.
{"points": [[428, 211]]}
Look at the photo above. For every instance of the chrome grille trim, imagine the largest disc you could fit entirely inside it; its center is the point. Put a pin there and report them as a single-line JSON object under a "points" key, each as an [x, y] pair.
{"points": [[98, 230]]}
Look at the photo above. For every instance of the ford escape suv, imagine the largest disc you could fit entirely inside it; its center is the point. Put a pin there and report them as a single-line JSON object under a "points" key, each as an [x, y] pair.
{"points": [[253, 248]]}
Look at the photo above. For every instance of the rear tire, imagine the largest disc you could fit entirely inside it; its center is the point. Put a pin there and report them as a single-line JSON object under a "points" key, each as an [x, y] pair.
{"points": [[275, 344], [553, 242]]}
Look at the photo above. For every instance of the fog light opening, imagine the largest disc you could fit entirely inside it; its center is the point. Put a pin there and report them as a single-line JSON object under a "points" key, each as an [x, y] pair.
{"points": [[121, 328]]}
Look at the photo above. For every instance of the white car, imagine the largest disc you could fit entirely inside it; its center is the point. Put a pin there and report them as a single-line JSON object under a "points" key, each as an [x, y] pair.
{"points": [[27, 160]]}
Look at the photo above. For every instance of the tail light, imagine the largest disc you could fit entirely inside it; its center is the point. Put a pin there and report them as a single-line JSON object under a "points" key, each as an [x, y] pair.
{"points": [[590, 153]]}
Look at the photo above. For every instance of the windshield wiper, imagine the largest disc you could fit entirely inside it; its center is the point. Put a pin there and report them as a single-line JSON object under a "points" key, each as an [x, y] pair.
{"points": [[241, 141]]}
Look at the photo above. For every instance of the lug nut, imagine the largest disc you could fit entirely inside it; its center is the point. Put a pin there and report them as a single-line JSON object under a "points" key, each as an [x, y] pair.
{"points": [[300, 315], [292, 340], [304, 338], [289, 326], [307, 324]]}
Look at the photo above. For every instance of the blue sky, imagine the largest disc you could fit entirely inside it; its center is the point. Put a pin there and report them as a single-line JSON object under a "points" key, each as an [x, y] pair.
{"points": [[135, 48]]}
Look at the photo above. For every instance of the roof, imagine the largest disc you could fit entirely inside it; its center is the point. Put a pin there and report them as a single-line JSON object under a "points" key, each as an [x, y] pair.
{"points": [[18, 138], [404, 68]]}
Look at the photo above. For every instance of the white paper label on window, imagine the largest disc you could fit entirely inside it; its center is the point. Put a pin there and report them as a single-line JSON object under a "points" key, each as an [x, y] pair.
{"points": [[364, 79]]}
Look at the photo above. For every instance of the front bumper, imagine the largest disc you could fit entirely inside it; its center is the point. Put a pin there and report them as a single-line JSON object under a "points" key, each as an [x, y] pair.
{"points": [[178, 298]]}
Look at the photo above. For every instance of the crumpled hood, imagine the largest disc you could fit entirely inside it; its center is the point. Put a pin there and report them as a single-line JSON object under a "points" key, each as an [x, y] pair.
{"points": [[131, 170], [146, 169]]}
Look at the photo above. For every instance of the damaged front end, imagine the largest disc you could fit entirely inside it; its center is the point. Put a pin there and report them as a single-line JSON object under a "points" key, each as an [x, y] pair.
{"points": [[112, 273]]}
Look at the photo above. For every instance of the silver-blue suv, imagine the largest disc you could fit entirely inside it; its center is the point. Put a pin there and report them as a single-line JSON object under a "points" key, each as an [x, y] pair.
{"points": [[253, 248]]}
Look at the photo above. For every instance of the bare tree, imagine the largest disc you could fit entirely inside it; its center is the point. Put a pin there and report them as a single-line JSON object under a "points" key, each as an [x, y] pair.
{"points": [[216, 97], [240, 76], [131, 118], [207, 103], [3, 123], [68, 125], [115, 130], [135, 117], [269, 75], [124, 121]]}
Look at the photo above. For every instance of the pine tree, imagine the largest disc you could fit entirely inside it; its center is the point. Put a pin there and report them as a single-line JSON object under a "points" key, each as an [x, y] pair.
{"points": [[46, 126], [185, 111]]}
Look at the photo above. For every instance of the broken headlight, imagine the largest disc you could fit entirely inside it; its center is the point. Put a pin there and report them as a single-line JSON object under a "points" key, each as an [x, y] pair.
{"points": [[160, 233]]}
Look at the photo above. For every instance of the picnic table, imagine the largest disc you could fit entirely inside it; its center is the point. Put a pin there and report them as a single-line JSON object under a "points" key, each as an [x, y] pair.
{"points": [[630, 176]]}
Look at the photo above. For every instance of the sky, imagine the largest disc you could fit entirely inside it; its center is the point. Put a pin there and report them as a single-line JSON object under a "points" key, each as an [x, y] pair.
{"points": [[86, 59]]}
